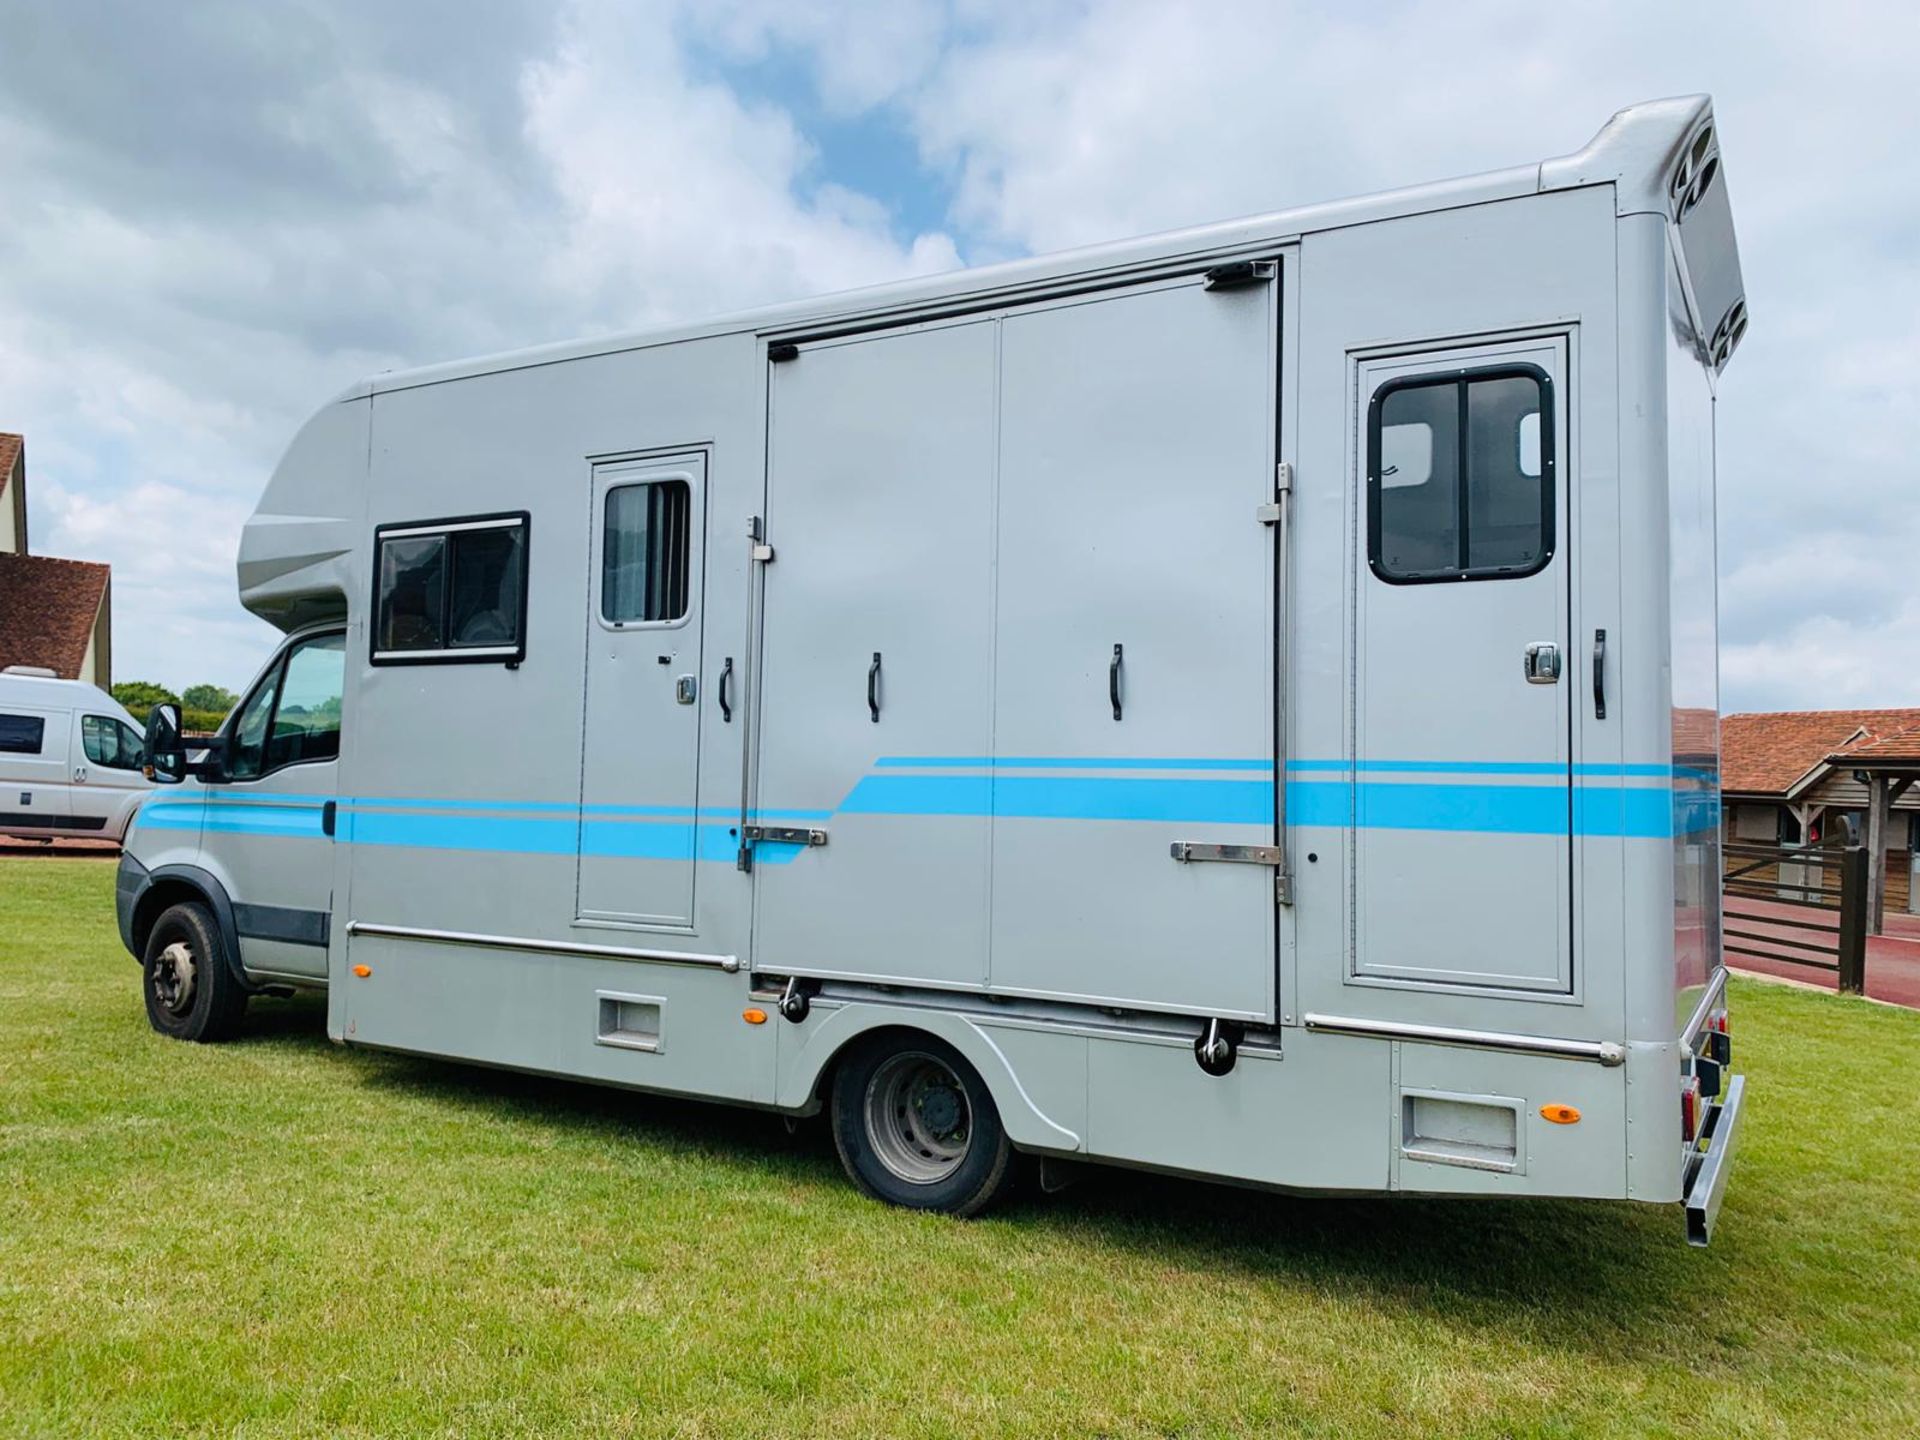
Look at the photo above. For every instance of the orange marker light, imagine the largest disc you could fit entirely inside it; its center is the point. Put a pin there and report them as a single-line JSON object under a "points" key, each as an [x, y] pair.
{"points": [[363, 971], [754, 1017], [1560, 1114]]}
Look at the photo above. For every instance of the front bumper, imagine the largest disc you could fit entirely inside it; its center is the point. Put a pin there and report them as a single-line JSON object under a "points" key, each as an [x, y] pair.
{"points": [[1707, 1180], [128, 886]]}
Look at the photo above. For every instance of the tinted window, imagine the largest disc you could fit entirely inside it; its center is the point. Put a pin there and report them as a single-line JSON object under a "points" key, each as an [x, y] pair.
{"points": [[413, 593], [110, 742], [306, 722], [21, 734], [455, 591], [645, 552], [1460, 476], [485, 608]]}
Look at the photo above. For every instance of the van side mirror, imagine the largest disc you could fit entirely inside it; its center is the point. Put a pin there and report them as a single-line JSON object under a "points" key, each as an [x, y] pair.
{"points": [[166, 757]]}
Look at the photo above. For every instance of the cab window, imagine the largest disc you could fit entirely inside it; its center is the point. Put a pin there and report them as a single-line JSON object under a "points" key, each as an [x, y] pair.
{"points": [[110, 743], [306, 722], [293, 715]]}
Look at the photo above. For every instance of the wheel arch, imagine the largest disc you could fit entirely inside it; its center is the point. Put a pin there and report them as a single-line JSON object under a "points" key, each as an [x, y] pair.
{"points": [[830, 1035], [172, 885]]}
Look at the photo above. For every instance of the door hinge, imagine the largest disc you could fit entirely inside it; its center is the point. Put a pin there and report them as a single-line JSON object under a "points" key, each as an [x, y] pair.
{"points": [[1236, 273], [1189, 852], [1275, 510], [760, 552], [785, 350], [784, 834]]}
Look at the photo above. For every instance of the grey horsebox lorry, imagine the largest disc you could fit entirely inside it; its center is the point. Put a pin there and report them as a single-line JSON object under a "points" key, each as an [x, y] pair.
{"points": [[1240, 703]]}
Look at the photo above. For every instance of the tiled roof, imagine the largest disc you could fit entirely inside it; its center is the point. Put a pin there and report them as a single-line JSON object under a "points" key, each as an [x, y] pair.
{"points": [[1767, 754], [1899, 745], [47, 610]]}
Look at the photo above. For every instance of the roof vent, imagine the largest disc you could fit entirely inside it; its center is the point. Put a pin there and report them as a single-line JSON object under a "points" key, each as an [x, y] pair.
{"points": [[38, 672], [1726, 335], [1693, 176]]}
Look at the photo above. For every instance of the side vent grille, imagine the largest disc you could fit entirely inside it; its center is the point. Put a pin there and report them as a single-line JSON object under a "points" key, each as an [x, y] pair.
{"points": [[1726, 335], [1694, 174]]}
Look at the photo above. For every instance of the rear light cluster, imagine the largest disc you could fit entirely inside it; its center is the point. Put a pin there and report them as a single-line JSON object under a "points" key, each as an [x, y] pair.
{"points": [[1713, 1051], [1690, 1109]]}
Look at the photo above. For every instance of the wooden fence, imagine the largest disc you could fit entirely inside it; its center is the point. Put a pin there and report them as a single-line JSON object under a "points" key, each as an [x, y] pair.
{"points": [[1800, 905]]}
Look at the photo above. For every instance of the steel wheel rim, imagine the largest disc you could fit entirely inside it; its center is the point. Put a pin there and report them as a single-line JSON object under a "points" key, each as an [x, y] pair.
{"points": [[174, 973], [918, 1119]]}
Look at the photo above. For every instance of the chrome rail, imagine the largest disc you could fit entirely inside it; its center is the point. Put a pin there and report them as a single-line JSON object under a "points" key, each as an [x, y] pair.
{"points": [[1601, 1052], [1709, 1000], [728, 963]]}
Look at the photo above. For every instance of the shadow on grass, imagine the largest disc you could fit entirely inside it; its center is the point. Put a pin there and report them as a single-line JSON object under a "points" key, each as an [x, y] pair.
{"points": [[1586, 1275]]}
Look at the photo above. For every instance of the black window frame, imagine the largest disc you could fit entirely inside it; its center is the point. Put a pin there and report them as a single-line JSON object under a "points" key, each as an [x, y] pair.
{"points": [[1462, 378], [39, 735], [447, 527], [275, 675]]}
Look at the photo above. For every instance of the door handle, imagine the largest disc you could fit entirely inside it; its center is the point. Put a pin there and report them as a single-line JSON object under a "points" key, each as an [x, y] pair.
{"points": [[1599, 674], [685, 689], [80, 773], [1113, 680], [873, 689], [726, 692], [1542, 663]]}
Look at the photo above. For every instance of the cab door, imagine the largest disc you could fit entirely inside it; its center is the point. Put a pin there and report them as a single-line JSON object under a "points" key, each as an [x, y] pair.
{"points": [[107, 782], [266, 831], [1462, 802]]}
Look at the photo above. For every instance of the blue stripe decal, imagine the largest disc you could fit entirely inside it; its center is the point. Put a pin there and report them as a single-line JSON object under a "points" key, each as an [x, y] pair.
{"points": [[997, 787], [1061, 762], [1340, 766], [1225, 802], [558, 836]]}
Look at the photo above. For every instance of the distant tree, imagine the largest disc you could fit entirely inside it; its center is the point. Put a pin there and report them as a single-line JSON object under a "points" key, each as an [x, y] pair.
{"points": [[140, 696], [208, 697]]}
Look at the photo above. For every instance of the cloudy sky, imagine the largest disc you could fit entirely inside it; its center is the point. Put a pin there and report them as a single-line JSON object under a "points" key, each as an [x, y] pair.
{"points": [[215, 215]]}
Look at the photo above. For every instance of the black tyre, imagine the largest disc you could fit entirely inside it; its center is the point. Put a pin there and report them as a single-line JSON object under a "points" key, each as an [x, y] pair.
{"points": [[915, 1126], [190, 989]]}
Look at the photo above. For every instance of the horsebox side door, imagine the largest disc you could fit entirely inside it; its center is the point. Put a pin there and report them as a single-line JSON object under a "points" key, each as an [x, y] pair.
{"points": [[638, 836], [1461, 802]]}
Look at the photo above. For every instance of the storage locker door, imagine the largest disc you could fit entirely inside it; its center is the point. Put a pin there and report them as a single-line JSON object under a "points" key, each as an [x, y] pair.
{"points": [[879, 510], [1137, 441]]}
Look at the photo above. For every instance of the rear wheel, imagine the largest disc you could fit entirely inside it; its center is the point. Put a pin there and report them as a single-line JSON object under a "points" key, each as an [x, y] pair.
{"points": [[191, 991], [915, 1126]]}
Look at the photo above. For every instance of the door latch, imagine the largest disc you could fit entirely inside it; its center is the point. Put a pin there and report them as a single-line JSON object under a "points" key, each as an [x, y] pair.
{"points": [[1542, 663], [684, 689]]}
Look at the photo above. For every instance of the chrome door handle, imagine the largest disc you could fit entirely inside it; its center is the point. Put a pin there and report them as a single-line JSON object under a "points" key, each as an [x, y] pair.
{"points": [[685, 688], [1542, 663]]}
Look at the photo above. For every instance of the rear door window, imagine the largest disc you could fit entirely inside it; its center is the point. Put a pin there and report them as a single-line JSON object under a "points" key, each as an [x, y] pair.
{"points": [[1460, 476]]}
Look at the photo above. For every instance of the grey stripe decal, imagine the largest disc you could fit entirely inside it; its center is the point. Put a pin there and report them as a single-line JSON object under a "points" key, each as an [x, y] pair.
{"points": [[277, 922]]}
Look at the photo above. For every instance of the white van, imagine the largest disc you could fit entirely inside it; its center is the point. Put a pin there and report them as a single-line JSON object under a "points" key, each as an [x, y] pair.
{"points": [[70, 758]]}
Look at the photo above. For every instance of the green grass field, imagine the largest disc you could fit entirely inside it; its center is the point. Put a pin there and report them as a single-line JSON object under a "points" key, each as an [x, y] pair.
{"points": [[279, 1237]]}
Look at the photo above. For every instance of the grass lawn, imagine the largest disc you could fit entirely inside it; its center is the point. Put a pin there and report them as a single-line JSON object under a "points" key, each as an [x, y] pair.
{"points": [[280, 1237]]}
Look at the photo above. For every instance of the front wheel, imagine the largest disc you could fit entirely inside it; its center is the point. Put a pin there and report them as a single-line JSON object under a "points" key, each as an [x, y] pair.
{"points": [[190, 990], [915, 1126]]}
